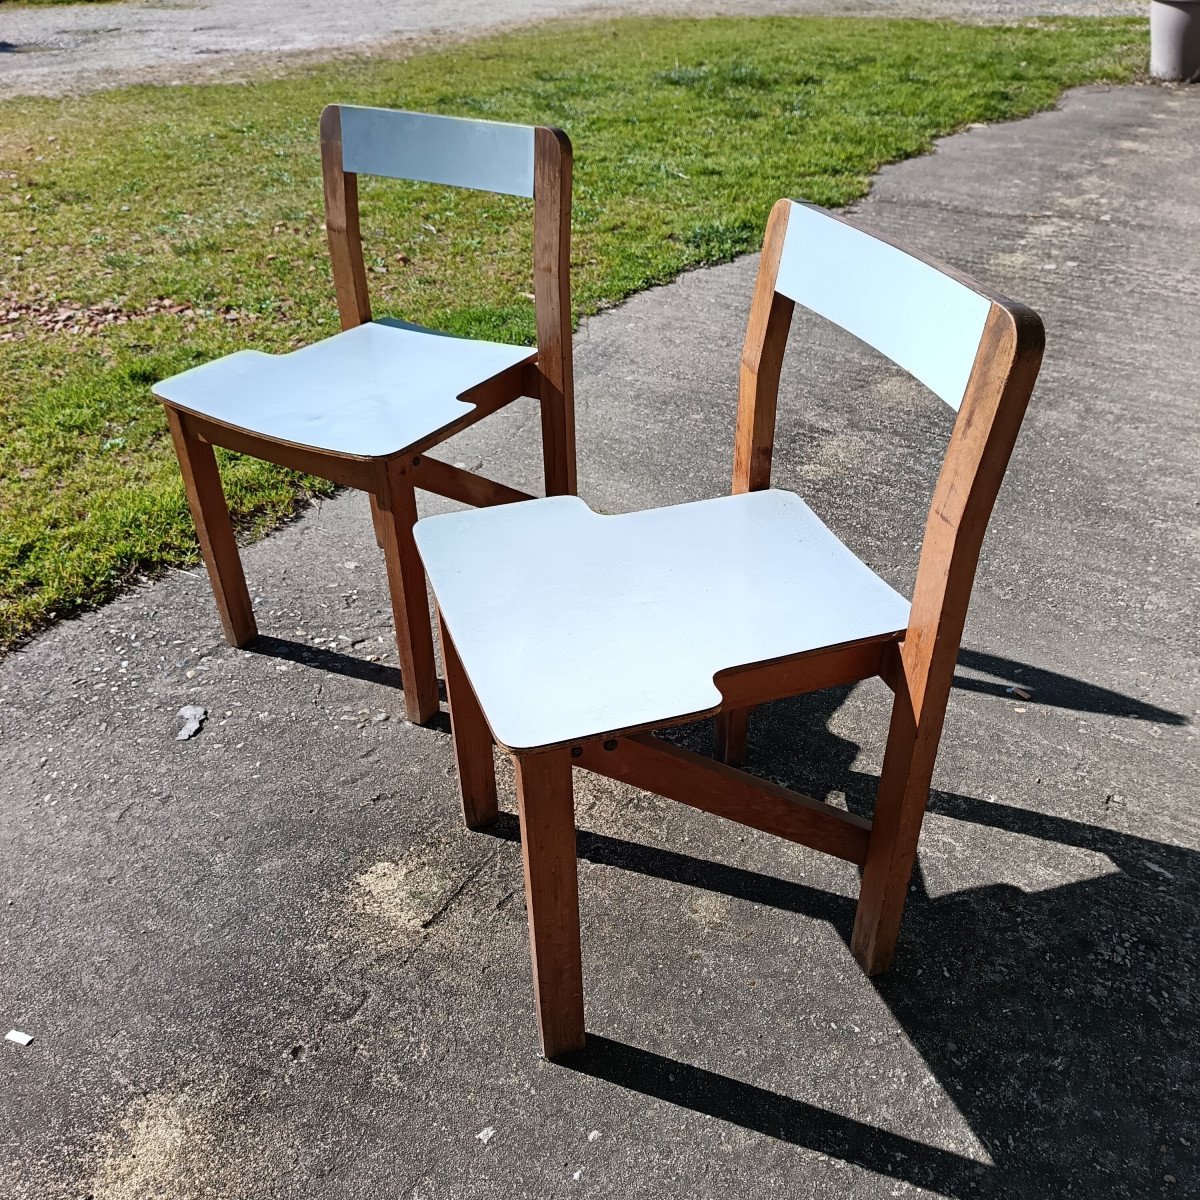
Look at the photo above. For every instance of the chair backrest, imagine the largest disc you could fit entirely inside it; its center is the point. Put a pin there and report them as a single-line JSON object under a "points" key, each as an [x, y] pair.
{"points": [[978, 351], [486, 155], [921, 317], [517, 160]]}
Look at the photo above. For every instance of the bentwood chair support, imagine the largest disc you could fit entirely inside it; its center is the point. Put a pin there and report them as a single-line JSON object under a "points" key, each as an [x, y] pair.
{"points": [[363, 408], [569, 636]]}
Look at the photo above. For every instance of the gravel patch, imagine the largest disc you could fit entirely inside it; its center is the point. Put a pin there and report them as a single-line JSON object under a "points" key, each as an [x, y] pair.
{"points": [[60, 50]]}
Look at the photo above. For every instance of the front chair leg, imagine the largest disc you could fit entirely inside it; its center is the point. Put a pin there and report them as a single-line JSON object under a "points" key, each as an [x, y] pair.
{"points": [[895, 830], [397, 506], [472, 741], [202, 482], [547, 811]]}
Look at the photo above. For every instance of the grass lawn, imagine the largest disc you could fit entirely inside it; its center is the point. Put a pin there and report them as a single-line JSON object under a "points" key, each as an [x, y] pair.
{"points": [[149, 229]]}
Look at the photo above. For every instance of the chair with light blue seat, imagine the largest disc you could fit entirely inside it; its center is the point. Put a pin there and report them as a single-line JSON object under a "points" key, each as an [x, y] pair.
{"points": [[569, 636], [364, 407]]}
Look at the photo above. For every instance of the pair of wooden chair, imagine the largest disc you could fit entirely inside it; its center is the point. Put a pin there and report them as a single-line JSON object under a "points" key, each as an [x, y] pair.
{"points": [[568, 637]]}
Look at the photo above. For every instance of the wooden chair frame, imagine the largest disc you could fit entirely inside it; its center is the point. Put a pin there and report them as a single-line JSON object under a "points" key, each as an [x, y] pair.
{"points": [[391, 481], [918, 666]]}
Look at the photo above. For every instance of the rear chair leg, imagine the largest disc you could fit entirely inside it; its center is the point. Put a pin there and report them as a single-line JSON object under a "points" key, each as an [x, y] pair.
{"points": [[202, 482], [895, 830], [732, 724], [377, 522], [472, 741], [558, 441], [552, 897], [397, 507]]}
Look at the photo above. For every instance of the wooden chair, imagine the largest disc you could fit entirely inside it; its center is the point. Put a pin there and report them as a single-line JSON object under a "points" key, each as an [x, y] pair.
{"points": [[568, 636], [362, 408]]}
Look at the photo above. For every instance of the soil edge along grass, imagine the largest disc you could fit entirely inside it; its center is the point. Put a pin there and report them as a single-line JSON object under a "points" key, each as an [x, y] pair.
{"points": [[149, 229]]}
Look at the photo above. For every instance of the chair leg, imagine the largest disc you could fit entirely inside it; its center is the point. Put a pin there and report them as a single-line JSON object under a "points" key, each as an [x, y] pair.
{"points": [[558, 443], [472, 741], [547, 812], [732, 724], [202, 482], [377, 522], [410, 604], [896, 828]]}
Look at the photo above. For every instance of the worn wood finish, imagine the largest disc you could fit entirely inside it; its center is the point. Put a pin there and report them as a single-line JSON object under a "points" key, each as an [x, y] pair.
{"points": [[376, 521], [552, 300], [366, 474], [730, 730], [410, 603], [202, 483], [432, 475], [547, 810], [762, 361], [834, 666], [472, 741], [678, 774], [920, 671], [985, 433], [342, 226]]}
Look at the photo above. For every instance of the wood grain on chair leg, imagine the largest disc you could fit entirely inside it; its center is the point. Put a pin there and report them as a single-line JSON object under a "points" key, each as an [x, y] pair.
{"points": [[892, 850], [410, 604], [1006, 364], [377, 522], [472, 741], [552, 304], [552, 896], [202, 482], [731, 729]]}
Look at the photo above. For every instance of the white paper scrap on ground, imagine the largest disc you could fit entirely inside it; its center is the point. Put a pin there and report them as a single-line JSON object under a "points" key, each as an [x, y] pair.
{"points": [[15, 1035], [193, 717], [486, 1135]]}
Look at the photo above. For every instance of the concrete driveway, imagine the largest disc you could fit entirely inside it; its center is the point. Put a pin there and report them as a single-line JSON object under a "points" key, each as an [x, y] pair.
{"points": [[269, 961], [51, 50]]}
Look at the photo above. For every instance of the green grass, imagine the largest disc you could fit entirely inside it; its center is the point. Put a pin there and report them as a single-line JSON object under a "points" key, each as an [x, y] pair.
{"points": [[685, 132]]}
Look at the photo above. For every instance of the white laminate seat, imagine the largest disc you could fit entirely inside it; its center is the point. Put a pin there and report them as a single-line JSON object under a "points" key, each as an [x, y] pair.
{"points": [[571, 624], [370, 391]]}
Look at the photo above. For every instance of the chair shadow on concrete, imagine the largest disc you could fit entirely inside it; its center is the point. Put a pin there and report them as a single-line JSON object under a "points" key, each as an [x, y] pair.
{"points": [[1060, 1022], [326, 660], [334, 662], [1057, 691]]}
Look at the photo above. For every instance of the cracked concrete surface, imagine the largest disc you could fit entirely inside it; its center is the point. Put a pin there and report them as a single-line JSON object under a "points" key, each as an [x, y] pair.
{"points": [[270, 961], [52, 50]]}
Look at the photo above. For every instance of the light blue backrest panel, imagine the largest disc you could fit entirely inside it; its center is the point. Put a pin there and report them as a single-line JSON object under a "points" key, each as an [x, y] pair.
{"points": [[923, 320], [486, 155]]}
